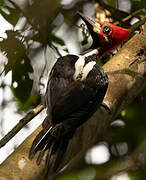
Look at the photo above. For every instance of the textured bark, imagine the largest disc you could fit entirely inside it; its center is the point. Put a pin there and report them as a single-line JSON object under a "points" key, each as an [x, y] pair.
{"points": [[126, 82]]}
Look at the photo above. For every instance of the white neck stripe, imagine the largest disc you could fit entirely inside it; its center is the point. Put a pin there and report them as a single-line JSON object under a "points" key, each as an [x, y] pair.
{"points": [[79, 65], [87, 69], [95, 51]]}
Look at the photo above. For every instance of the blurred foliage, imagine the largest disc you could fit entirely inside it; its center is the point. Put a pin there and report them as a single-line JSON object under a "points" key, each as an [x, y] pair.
{"points": [[133, 133], [24, 106], [42, 20], [19, 63], [10, 14], [70, 176], [51, 37], [138, 175], [112, 3], [138, 4]]}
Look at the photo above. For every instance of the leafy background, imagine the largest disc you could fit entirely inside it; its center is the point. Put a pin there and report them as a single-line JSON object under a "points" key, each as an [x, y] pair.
{"points": [[40, 32]]}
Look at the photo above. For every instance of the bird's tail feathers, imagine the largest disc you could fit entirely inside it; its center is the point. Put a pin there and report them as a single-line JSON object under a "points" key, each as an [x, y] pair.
{"points": [[55, 140], [55, 155], [42, 152], [41, 141]]}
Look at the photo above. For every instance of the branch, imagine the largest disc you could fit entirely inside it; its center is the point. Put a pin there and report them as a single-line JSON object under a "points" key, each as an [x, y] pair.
{"points": [[137, 24], [21, 124], [125, 83], [133, 14], [116, 13]]}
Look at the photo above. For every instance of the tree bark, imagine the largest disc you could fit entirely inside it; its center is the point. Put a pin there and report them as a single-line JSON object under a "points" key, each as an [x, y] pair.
{"points": [[125, 83]]}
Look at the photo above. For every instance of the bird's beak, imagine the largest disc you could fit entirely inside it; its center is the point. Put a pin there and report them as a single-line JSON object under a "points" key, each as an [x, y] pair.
{"points": [[92, 25]]}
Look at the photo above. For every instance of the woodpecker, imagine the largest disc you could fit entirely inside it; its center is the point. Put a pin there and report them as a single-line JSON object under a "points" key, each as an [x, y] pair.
{"points": [[106, 36], [75, 90]]}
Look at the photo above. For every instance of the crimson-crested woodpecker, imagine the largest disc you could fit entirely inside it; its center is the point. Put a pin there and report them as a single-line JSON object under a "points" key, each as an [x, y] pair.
{"points": [[75, 90], [106, 36]]}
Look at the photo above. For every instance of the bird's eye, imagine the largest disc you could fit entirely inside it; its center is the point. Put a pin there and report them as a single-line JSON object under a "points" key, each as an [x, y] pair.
{"points": [[106, 29]]}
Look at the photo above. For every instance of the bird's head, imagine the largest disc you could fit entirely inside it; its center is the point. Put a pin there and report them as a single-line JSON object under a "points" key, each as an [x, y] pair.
{"points": [[106, 36]]}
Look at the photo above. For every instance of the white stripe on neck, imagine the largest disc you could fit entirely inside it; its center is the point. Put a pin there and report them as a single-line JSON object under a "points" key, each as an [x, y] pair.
{"points": [[80, 63], [87, 69], [95, 51]]}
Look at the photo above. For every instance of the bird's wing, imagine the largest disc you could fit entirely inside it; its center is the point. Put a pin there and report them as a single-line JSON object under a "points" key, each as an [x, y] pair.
{"points": [[72, 99], [64, 95], [59, 79]]}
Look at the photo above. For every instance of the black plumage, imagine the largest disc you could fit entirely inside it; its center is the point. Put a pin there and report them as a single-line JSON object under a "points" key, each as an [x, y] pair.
{"points": [[70, 102]]}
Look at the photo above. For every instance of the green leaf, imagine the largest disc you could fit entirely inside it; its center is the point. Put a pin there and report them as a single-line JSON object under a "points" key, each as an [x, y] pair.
{"points": [[70, 176], [23, 90], [1, 2], [139, 174], [52, 38], [19, 64], [144, 3], [31, 101], [111, 3], [137, 4], [136, 0], [14, 50], [37, 38], [13, 15], [56, 39], [20, 76]]}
